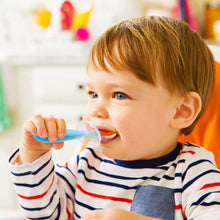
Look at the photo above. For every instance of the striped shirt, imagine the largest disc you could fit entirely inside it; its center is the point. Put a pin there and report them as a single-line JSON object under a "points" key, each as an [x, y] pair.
{"points": [[184, 184]]}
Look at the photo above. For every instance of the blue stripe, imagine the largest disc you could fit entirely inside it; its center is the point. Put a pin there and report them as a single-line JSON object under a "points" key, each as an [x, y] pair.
{"points": [[85, 205], [40, 208], [210, 203], [13, 155], [168, 177], [189, 144], [106, 183], [77, 160], [30, 172], [68, 183], [59, 211], [100, 159], [197, 177], [77, 215], [49, 217], [178, 174], [156, 163], [68, 196], [178, 190], [117, 176], [36, 184], [194, 164], [61, 166], [178, 162], [204, 197]]}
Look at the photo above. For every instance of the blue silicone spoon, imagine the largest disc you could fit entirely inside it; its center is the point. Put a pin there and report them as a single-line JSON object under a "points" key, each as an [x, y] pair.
{"points": [[87, 130]]}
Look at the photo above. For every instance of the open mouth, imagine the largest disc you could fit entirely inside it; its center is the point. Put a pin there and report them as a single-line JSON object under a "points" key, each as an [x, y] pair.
{"points": [[107, 135]]}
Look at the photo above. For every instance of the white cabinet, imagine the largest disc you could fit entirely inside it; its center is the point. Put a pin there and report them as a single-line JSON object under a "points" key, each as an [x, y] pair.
{"points": [[60, 91]]}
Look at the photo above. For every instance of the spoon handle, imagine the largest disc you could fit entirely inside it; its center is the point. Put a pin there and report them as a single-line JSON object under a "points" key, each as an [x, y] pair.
{"points": [[70, 135]]}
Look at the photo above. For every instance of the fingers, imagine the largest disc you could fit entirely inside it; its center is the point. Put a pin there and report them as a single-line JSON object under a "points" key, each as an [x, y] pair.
{"points": [[40, 125], [46, 126], [61, 127]]}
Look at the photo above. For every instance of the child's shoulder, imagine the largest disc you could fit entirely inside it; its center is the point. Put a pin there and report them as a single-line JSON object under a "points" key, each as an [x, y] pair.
{"points": [[191, 153]]}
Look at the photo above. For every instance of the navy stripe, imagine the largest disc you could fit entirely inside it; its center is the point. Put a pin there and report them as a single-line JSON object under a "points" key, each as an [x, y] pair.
{"points": [[67, 168], [59, 211], [157, 163], [178, 162], [106, 183], [13, 155], [189, 144], [40, 208], [168, 177], [68, 196], [194, 164], [49, 217], [36, 184], [68, 183], [210, 203], [203, 197], [178, 174], [77, 215], [77, 160], [85, 205], [100, 159], [117, 176], [197, 177], [32, 172], [178, 190]]}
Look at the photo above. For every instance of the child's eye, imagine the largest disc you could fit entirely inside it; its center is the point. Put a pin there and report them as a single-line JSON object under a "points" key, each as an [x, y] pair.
{"points": [[92, 94], [120, 95]]}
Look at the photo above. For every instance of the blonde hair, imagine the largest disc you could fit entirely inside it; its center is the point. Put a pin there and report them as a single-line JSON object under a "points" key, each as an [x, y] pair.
{"points": [[148, 45]]}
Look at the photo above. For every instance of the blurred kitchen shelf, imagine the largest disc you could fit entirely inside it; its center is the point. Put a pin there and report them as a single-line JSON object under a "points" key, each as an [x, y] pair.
{"points": [[74, 52]]}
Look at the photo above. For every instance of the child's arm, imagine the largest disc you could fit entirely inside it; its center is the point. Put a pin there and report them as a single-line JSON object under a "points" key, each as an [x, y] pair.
{"points": [[42, 192], [44, 126]]}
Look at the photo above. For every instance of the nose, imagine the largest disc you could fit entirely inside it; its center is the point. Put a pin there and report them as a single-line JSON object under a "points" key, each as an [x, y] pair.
{"points": [[99, 110]]}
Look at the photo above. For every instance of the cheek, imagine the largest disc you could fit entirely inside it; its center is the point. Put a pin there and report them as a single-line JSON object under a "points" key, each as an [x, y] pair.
{"points": [[125, 124]]}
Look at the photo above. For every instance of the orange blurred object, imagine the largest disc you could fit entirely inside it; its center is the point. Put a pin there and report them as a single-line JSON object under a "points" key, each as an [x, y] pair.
{"points": [[212, 14], [43, 17], [206, 132]]}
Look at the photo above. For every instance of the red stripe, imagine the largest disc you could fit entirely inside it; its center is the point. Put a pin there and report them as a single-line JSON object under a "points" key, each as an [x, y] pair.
{"points": [[67, 164], [37, 196], [190, 151], [178, 207], [209, 185], [184, 211], [103, 197], [68, 213]]}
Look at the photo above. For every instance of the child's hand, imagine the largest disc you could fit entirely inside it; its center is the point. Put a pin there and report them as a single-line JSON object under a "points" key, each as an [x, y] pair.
{"points": [[116, 214], [43, 126]]}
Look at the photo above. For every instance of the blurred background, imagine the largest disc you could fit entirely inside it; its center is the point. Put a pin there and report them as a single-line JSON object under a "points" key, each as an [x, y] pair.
{"points": [[43, 53]]}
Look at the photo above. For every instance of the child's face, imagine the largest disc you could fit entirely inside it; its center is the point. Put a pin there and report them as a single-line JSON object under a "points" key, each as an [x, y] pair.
{"points": [[139, 113]]}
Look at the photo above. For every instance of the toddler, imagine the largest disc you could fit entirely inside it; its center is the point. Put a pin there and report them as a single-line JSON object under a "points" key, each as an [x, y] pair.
{"points": [[149, 80]]}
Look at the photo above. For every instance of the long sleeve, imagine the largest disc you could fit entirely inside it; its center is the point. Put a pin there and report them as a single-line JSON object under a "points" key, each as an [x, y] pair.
{"points": [[200, 185], [42, 192]]}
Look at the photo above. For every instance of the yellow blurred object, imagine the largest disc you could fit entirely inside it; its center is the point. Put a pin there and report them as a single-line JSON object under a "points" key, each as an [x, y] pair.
{"points": [[212, 14], [80, 19], [43, 17]]}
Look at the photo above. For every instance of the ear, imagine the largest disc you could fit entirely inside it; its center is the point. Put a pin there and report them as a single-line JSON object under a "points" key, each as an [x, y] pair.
{"points": [[187, 110]]}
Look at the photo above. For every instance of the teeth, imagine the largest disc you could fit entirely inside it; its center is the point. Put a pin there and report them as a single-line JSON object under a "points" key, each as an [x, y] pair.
{"points": [[109, 136]]}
